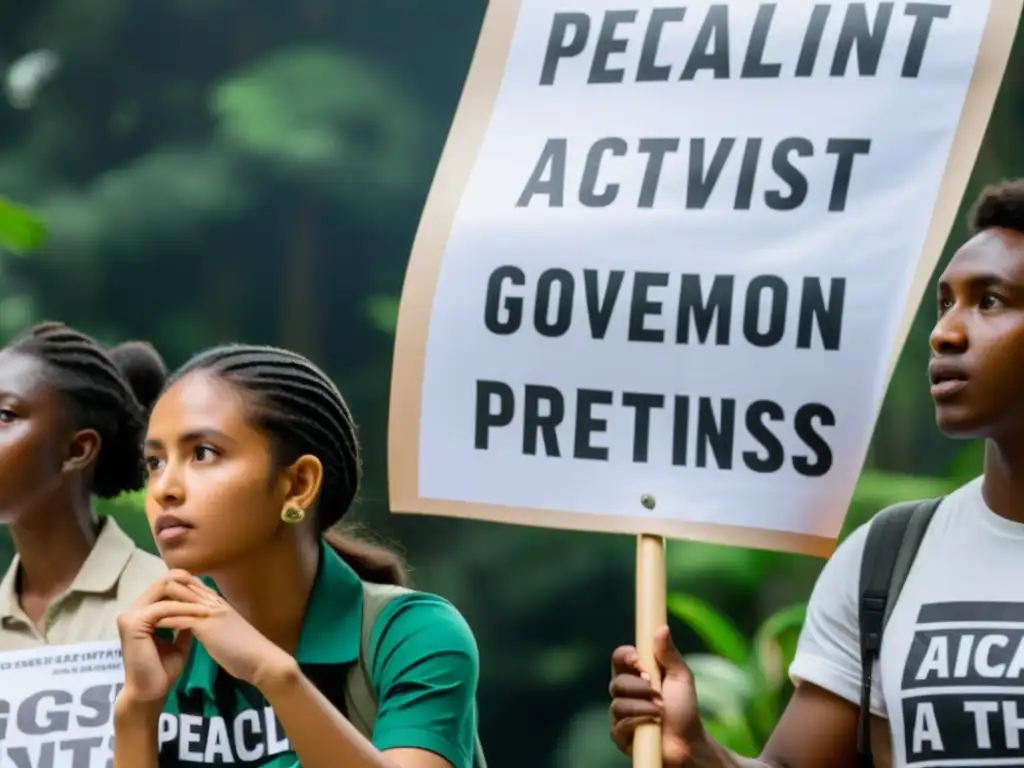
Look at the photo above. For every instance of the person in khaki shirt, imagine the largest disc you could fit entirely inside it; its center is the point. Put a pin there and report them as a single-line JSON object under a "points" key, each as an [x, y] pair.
{"points": [[72, 420]]}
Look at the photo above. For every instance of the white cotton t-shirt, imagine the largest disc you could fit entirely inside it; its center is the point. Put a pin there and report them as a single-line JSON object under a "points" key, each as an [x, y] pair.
{"points": [[951, 676]]}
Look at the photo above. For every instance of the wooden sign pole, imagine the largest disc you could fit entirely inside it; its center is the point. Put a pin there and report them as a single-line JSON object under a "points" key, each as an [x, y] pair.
{"points": [[650, 614]]}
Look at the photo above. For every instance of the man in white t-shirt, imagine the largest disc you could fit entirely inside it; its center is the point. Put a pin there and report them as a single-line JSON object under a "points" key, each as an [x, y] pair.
{"points": [[949, 688]]}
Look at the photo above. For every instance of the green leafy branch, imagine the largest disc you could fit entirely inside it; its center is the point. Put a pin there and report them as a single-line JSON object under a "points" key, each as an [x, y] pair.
{"points": [[741, 682], [21, 230]]}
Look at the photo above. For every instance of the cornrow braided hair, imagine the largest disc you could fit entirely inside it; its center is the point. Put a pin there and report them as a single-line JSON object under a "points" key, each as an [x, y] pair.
{"points": [[298, 406], [110, 391]]}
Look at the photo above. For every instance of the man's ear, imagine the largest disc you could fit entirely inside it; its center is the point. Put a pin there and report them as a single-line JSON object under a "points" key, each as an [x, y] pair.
{"points": [[82, 451], [305, 477]]}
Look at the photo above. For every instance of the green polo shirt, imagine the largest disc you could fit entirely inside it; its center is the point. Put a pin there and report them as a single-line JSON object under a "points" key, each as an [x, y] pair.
{"points": [[424, 670]]}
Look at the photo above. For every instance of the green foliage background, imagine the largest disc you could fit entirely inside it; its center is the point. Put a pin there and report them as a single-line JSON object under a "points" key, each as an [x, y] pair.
{"points": [[252, 170]]}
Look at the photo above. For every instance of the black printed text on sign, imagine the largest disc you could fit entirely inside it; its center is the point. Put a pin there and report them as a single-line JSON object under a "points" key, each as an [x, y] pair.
{"points": [[57, 706], [681, 255]]}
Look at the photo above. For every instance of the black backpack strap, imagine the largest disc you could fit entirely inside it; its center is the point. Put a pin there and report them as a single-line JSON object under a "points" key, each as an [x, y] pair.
{"points": [[892, 542]]}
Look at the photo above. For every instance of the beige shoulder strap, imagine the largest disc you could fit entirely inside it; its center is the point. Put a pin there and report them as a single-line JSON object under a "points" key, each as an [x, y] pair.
{"points": [[360, 698]]}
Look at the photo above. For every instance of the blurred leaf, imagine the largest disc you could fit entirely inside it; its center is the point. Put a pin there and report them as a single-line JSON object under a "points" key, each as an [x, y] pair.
{"points": [[383, 313], [877, 490], [129, 510], [560, 666], [884, 488], [734, 735], [26, 77], [742, 694], [723, 688], [164, 198], [21, 230], [774, 642], [329, 121], [691, 563], [134, 501], [763, 711], [721, 635], [968, 463], [585, 742], [17, 312]]}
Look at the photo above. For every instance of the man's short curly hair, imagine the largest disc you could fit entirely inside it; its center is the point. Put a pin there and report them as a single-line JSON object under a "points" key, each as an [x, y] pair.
{"points": [[1000, 205]]}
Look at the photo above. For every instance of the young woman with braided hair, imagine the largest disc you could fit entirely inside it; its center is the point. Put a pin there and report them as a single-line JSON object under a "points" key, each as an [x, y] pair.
{"points": [[252, 456], [72, 419]]}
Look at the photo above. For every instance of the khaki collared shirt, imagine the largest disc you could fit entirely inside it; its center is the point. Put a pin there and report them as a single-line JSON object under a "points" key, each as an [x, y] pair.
{"points": [[111, 579]]}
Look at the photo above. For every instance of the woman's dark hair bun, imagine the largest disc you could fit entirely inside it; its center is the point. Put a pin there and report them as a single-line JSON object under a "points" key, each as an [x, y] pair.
{"points": [[143, 369]]}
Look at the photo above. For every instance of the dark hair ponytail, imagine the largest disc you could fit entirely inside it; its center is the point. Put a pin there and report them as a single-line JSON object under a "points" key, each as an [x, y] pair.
{"points": [[302, 412], [110, 391], [372, 562]]}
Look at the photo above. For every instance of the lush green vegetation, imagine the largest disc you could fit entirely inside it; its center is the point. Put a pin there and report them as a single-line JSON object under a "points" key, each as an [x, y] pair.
{"points": [[741, 682]]}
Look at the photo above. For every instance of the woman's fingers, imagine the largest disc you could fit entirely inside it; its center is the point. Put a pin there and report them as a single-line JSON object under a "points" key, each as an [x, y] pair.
{"points": [[179, 592], [195, 587], [200, 587], [204, 594], [140, 621], [184, 578], [181, 623], [155, 592], [173, 585], [152, 615]]}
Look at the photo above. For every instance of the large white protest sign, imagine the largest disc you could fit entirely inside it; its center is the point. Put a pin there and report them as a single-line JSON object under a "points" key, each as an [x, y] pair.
{"points": [[57, 706], [674, 249]]}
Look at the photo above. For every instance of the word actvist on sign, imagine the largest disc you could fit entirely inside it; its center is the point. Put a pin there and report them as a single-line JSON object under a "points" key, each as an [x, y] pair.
{"points": [[672, 249]]}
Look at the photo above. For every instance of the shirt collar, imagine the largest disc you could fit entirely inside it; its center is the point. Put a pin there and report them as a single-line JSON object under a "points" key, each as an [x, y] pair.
{"points": [[331, 631], [98, 575]]}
